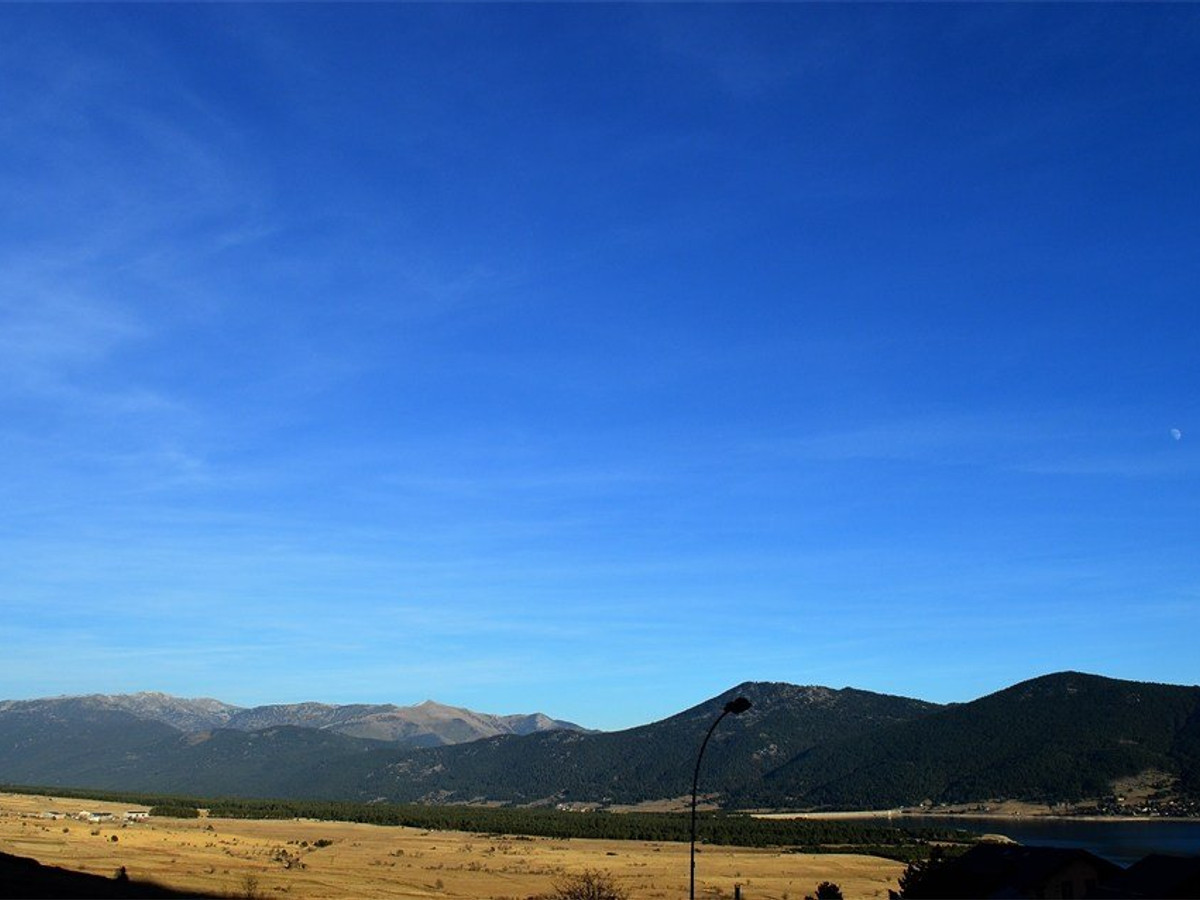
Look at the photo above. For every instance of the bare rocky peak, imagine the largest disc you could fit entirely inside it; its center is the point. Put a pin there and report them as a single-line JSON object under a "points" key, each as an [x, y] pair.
{"points": [[426, 724], [183, 713]]}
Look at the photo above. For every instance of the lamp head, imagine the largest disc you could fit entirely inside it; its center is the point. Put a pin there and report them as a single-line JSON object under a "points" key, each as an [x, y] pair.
{"points": [[737, 706]]}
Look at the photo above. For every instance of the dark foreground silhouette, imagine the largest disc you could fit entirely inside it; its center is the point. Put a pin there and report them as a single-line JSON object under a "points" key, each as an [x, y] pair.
{"points": [[22, 877], [1014, 871]]}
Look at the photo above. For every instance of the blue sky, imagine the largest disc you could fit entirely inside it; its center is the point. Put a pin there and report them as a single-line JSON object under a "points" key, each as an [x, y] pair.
{"points": [[595, 358]]}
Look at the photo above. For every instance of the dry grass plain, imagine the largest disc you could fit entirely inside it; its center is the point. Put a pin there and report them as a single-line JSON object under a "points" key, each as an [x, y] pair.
{"points": [[369, 861]]}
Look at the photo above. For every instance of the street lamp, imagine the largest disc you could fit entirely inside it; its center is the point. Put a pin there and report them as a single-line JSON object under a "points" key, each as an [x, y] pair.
{"points": [[737, 707]]}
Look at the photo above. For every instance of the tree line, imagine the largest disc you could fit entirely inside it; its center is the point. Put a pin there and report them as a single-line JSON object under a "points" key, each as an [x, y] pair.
{"points": [[800, 835]]}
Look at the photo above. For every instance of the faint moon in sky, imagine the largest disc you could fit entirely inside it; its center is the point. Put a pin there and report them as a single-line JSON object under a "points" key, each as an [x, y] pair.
{"points": [[1177, 434]]}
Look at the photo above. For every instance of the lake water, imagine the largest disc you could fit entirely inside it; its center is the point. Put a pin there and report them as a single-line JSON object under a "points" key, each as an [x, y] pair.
{"points": [[1119, 840]]}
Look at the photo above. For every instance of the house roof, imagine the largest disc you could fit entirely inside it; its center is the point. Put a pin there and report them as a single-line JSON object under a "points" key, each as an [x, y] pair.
{"points": [[1162, 876], [1007, 870], [1030, 865]]}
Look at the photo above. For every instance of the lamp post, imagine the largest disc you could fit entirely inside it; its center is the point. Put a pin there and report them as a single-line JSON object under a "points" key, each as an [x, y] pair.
{"points": [[737, 707]]}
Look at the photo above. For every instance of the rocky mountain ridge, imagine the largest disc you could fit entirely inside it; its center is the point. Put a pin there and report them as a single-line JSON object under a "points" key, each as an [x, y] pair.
{"points": [[1063, 737], [427, 724]]}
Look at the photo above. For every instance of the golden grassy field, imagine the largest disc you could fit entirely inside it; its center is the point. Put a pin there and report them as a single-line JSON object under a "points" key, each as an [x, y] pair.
{"points": [[278, 859]]}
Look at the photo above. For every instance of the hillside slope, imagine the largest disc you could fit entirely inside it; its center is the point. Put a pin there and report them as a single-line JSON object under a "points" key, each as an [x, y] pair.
{"points": [[71, 742], [1058, 737], [427, 724], [1054, 738], [649, 762]]}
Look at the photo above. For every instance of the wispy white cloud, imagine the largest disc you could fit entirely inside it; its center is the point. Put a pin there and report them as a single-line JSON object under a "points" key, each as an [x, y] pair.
{"points": [[49, 328], [952, 437], [1043, 442], [1151, 462]]}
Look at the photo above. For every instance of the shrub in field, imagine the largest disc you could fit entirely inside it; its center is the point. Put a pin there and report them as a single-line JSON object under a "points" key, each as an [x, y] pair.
{"points": [[590, 884], [827, 890], [249, 887]]}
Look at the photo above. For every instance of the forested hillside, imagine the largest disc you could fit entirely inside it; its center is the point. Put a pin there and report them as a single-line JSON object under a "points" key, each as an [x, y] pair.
{"points": [[1060, 737], [1055, 738], [650, 762]]}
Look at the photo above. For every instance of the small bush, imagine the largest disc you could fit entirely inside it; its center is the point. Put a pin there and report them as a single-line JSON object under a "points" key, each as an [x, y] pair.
{"points": [[249, 887], [590, 884]]}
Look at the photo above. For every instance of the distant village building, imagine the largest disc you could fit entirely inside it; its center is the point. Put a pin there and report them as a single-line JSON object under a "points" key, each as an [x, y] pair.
{"points": [[137, 815]]}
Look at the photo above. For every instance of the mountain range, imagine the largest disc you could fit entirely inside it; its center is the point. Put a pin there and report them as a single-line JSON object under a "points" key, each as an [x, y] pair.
{"points": [[427, 724], [1059, 737]]}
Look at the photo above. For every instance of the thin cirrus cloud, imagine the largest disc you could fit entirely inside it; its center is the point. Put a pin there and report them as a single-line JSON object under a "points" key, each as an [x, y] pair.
{"points": [[478, 351], [1046, 443], [51, 326]]}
